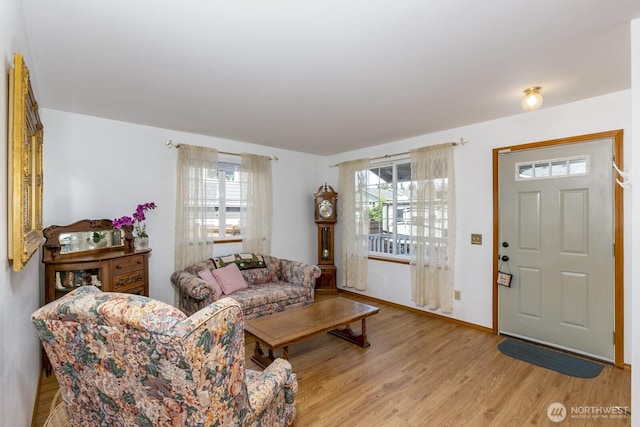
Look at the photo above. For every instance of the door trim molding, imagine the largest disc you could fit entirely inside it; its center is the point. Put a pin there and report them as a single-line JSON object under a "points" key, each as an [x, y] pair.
{"points": [[618, 228]]}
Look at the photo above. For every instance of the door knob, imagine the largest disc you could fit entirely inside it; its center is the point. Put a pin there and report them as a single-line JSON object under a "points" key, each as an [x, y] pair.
{"points": [[505, 244], [505, 258]]}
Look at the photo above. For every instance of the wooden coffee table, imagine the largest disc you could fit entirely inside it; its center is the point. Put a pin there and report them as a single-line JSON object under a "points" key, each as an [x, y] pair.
{"points": [[279, 330]]}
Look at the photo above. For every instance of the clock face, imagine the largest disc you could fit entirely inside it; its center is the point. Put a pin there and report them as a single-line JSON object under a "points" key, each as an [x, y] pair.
{"points": [[325, 209]]}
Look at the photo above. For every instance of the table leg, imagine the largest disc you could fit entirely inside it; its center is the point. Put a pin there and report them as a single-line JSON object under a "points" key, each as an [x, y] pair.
{"points": [[260, 358], [347, 334]]}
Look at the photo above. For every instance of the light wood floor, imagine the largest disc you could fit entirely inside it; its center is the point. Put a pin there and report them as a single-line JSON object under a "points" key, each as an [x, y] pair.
{"points": [[424, 371]]}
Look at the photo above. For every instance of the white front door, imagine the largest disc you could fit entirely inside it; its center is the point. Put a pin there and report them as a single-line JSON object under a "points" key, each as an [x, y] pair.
{"points": [[557, 230]]}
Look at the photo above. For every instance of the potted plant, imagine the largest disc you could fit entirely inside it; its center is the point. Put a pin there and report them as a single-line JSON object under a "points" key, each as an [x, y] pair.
{"points": [[139, 227]]}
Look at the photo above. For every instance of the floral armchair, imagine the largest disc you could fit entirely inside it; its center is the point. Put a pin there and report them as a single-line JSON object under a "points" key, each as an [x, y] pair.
{"points": [[128, 360]]}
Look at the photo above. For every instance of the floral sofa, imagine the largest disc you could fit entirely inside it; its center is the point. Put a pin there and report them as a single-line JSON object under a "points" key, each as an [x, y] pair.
{"points": [[128, 360], [272, 284]]}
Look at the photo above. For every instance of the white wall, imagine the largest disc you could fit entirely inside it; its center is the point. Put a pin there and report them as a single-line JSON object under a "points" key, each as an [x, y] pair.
{"points": [[473, 163], [98, 168], [19, 346]]}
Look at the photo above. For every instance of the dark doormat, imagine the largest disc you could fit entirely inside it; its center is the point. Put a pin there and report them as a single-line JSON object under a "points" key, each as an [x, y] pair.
{"points": [[550, 359]]}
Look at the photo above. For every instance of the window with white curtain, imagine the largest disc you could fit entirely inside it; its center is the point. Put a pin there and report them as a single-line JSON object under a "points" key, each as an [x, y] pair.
{"points": [[389, 208], [221, 198], [226, 202], [392, 210], [216, 200]]}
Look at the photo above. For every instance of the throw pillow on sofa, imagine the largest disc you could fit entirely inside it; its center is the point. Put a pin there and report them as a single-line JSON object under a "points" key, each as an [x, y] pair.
{"points": [[230, 278], [253, 267], [208, 277], [244, 261]]}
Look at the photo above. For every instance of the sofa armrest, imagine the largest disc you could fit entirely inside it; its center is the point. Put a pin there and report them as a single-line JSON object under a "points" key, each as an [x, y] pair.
{"points": [[193, 286], [300, 273]]}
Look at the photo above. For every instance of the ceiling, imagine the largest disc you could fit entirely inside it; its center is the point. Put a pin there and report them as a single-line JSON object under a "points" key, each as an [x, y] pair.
{"points": [[322, 76]]}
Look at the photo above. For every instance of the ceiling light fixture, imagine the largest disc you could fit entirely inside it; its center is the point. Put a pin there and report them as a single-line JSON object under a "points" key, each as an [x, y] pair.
{"points": [[532, 99]]}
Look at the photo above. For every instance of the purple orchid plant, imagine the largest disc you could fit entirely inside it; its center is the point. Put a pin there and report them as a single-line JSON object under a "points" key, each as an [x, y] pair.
{"points": [[136, 219]]}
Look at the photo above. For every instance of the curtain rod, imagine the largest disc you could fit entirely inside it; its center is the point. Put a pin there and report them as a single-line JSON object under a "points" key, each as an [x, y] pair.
{"points": [[170, 144], [386, 156]]}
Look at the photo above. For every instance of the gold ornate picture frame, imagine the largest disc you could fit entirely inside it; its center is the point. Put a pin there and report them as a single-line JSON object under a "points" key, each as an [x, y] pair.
{"points": [[25, 178]]}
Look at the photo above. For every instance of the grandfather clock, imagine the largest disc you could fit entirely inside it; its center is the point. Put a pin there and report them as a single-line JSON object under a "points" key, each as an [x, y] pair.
{"points": [[326, 216]]}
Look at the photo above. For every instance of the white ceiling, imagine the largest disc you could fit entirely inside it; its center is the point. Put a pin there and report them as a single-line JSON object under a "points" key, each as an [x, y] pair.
{"points": [[322, 76]]}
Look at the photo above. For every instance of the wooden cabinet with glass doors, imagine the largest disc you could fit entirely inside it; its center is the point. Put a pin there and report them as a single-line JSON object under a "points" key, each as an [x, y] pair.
{"points": [[92, 252]]}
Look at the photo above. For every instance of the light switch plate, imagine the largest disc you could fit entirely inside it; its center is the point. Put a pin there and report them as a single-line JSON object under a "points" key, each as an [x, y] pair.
{"points": [[476, 239]]}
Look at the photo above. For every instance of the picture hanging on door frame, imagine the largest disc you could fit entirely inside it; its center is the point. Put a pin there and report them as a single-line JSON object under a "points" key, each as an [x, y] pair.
{"points": [[504, 279]]}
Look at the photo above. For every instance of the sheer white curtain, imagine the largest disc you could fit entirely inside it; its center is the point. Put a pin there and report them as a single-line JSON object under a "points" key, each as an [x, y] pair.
{"points": [[354, 216], [433, 210], [257, 226], [192, 201]]}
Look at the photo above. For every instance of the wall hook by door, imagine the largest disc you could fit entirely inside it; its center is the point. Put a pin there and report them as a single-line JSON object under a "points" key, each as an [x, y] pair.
{"points": [[626, 177]]}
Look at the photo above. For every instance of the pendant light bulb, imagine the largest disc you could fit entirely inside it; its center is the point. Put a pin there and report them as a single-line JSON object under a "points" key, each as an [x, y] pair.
{"points": [[532, 99]]}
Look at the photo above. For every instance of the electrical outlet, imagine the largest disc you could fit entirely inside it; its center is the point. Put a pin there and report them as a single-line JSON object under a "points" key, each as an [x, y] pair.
{"points": [[476, 239], [456, 295]]}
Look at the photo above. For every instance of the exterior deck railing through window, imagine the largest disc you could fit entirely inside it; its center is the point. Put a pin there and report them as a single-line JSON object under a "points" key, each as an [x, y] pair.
{"points": [[384, 243]]}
